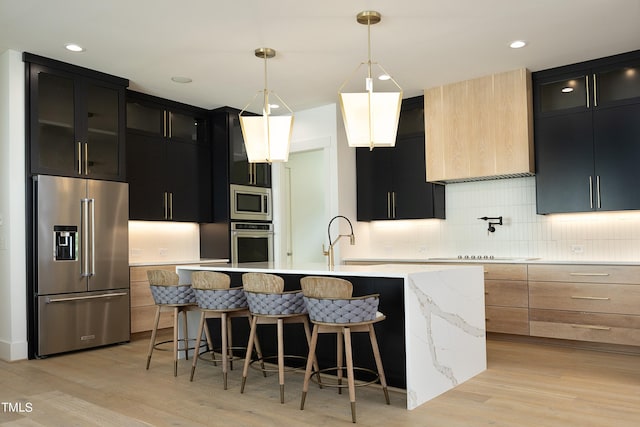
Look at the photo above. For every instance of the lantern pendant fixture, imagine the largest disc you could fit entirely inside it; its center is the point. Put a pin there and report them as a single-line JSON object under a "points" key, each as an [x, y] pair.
{"points": [[371, 118], [267, 136]]}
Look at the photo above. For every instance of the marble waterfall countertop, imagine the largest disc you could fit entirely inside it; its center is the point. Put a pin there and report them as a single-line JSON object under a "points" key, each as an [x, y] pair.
{"points": [[479, 260], [444, 319]]}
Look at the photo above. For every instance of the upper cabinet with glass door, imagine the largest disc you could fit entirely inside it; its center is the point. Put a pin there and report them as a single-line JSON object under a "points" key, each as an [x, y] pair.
{"points": [[76, 121], [586, 132], [158, 117], [590, 86]]}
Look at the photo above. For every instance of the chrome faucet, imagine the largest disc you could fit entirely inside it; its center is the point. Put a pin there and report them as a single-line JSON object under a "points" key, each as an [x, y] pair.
{"points": [[329, 252]]}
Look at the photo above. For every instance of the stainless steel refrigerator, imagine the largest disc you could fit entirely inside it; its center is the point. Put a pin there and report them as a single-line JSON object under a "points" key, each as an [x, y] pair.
{"points": [[81, 262]]}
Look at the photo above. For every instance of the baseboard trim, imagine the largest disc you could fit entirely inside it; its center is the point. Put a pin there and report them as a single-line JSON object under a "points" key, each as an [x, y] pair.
{"points": [[13, 351]]}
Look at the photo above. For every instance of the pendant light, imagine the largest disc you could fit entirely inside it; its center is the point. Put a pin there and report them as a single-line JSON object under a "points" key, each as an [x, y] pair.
{"points": [[266, 136], [371, 118]]}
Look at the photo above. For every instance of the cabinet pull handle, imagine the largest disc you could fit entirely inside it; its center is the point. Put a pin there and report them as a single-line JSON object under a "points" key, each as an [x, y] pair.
{"points": [[589, 274], [164, 123], [388, 204], [598, 191], [171, 206], [86, 158], [587, 86], [595, 91], [593, 327], [79, 158], [165, 196], [590, 298], [590, 192], [170, 114], [250, 167], [394, 203], [255, 174]]}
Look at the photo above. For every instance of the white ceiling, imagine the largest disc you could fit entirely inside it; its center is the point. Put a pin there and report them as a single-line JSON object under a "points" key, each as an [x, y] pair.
{"points": [[422, 43]]}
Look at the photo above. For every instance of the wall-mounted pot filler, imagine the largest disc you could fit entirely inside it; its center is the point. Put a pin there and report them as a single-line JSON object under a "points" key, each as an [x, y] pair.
{"points": [[493, 220]]}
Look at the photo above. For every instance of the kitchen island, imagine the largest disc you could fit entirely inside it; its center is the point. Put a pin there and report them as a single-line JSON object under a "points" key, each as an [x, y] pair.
{"points": [[434, 335]]}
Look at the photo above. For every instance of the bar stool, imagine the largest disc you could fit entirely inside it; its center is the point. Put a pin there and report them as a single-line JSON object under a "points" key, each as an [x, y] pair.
{"points": [[170, 296], [269, 304], [217, 300], [332, 309]]}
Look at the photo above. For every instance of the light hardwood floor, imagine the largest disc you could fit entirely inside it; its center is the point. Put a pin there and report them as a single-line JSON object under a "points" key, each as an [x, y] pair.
{"points": [[524, 385]]}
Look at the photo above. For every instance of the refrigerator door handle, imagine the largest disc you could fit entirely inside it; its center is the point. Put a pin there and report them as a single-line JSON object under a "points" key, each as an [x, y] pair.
{"points": [[92, 203], [84, 229], [118, 294]]}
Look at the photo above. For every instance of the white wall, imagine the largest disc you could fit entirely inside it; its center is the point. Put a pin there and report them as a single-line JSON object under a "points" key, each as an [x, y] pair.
{"points": [[160, 241], [13, 319], [613, 236], [318, 129]]}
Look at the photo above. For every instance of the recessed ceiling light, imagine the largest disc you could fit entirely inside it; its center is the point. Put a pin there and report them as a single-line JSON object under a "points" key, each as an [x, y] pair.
{"points": [[384, 77], [517, 44], [181, 79], [74, 47], [567, 89], [274, 106]]}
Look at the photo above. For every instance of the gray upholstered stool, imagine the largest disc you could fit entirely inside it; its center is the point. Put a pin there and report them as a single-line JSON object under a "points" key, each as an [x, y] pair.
{"points": [[332, 309], [217, 300], [269, 304], [170, 296]]}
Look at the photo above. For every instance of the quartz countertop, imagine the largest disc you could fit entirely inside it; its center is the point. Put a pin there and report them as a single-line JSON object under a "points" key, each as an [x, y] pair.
{"points": [[399, 270], [495, 260], [173, 262]]}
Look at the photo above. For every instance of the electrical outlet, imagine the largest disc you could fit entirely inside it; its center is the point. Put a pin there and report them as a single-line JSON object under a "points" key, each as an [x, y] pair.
{"points": [[136, 252], [163, 251], [577, 249]]}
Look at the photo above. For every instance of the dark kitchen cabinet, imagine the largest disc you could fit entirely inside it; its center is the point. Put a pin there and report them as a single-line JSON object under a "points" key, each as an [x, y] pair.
{"points": [[391, 181], [76, 121], [587, 135], [228, 131], [168, 161]]}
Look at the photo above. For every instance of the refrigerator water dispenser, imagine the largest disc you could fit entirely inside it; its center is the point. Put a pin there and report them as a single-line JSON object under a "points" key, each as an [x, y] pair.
{"points": [[65, 242]]}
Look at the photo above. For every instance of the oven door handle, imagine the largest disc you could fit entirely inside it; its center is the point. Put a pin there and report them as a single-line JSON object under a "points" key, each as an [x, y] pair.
{"points": [[252, 234]]}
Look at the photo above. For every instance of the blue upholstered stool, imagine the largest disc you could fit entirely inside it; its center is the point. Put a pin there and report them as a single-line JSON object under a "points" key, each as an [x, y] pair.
{"points": [[269, 304], [332, 309], [170, 296], [217, 300]]}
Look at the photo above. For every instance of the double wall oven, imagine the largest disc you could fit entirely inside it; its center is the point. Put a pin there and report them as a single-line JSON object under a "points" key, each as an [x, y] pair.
{"points": [[251, 227]]}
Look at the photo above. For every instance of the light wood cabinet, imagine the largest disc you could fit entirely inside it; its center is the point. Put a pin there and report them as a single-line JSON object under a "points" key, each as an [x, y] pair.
{"points": [[506, 298], [597, 303], [479, 129], [143, 308]]}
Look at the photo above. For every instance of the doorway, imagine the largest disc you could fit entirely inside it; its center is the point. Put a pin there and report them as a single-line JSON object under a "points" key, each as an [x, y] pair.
{"points": [[306, 193]]}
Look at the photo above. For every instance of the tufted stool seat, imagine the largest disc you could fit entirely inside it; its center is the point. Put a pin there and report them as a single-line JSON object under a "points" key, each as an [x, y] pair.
{"points": [[270, 304], [332, 309], [217, 300], [170, 296]]}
